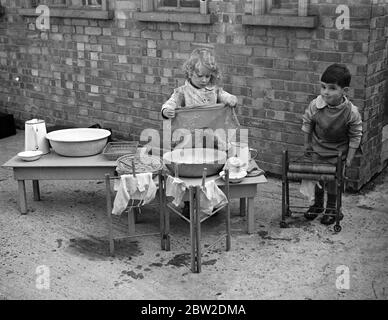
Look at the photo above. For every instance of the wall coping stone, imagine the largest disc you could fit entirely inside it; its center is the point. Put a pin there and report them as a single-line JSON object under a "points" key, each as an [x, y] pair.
{"points": [[71, 13], [179, 17], [281, 21]]}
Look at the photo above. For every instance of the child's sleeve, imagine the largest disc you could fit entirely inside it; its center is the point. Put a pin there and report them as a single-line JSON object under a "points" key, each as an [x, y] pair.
{"points": [[175, 101], [226, 98], [307, 125], [355, 128]]}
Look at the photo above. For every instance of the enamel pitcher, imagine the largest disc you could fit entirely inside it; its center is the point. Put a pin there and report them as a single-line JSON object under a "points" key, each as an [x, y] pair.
{"points": [[242, 151], [35, 136]]}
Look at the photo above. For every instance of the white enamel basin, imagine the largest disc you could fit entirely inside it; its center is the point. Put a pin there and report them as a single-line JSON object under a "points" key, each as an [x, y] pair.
{"points": [[78, 142], [192, 161]]}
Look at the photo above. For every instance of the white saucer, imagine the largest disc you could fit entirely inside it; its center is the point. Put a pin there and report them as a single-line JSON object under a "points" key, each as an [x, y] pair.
{"points": [[234, 177], [31, 155]]}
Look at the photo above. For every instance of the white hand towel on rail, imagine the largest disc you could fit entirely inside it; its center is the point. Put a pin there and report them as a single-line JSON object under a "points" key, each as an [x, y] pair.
{"points": [[142, 187]]}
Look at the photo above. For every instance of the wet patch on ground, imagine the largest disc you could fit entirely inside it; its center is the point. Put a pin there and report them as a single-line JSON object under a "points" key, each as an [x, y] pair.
{"points": [[297, 222], [183, 259], [264, 235], [365, 207], [132, 274], [209, 262], [180, 260], [59, 242], [156, 264], [98, 249]]}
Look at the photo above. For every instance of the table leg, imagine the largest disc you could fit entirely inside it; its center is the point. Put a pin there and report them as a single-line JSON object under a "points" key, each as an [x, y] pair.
{"points": [[22, 196], [131, 221], [109, 214], [251, 216], [243, 207], [35, 188]]}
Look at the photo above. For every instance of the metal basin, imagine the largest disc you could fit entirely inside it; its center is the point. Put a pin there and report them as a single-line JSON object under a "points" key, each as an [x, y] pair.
{"points": [[190, 162], [78, 142]]}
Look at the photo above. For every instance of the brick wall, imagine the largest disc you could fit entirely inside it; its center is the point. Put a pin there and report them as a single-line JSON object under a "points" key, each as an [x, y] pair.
{"points": [[118, 72], [375, 92]]}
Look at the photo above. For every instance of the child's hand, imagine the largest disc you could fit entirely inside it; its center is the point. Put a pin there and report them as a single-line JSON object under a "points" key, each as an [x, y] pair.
{"points": [[231, 105], [350, 156], [232, 102], [168, 113]]}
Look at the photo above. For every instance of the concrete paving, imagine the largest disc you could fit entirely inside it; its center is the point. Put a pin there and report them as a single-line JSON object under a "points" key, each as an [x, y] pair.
{"points": [[59, 249]]}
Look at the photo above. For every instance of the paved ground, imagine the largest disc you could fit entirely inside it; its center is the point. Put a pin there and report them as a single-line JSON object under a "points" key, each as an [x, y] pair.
{"points": [[65, 234]]}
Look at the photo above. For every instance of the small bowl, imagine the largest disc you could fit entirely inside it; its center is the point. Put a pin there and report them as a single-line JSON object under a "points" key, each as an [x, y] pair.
{"points": [[30, 155]]}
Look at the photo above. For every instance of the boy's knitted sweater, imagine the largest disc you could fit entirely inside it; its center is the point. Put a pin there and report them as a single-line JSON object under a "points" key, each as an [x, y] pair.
{"points": [[335, 128]]}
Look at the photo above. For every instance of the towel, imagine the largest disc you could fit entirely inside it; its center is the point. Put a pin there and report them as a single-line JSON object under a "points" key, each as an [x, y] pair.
{"points": [[211, 197], [142, 187], [307, 188], [253, 169], [176, 188]]}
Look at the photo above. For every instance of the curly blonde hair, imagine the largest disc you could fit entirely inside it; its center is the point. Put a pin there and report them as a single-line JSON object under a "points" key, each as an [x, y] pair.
{"points": [[202, 57]]}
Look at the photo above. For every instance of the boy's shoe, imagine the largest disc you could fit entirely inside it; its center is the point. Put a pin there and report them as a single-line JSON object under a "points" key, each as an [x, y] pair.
{"points": [[329, 216], [313, 211], [317, 207], [330, 212]]}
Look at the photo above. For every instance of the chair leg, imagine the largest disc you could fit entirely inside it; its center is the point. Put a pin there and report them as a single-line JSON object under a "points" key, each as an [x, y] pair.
{"points": [[192, 231], [228, 233], [131, 221], [161, 212], [166, 225], [166, 219], [109, 214], [198, 230]]}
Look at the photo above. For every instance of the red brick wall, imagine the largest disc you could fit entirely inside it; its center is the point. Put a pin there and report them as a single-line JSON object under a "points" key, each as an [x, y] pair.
{"points": [[118, 72]]}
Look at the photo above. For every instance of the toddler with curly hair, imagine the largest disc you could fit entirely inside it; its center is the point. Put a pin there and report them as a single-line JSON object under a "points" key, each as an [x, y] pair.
{"points": [[200, 88]]}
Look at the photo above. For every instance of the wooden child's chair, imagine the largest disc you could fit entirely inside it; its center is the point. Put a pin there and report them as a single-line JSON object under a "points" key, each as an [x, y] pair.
{"points": [[131, 214]]}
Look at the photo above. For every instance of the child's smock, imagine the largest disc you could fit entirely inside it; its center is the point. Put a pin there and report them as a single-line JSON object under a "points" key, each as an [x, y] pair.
{"points": [[333, 128], [188, 95]]}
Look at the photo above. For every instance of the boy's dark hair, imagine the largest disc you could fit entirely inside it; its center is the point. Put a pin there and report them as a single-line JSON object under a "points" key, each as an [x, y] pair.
{"points": [[338, 74]]}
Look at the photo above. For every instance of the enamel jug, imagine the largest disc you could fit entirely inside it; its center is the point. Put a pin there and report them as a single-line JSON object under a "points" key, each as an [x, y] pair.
{"points": [[242, 150], [35, 136]]}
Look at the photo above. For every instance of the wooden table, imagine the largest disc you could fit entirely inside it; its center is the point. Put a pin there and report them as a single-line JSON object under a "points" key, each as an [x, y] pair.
{"points": [[54, 167]]}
